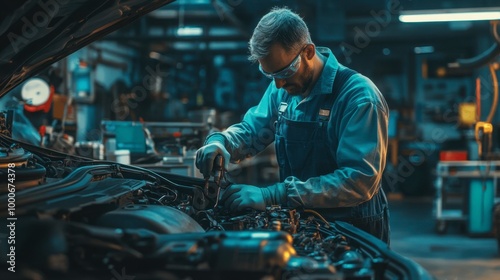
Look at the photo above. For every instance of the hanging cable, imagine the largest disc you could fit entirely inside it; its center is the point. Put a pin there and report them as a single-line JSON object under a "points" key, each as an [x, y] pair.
{"points": [[495, 31], [495, 92], [483, 58]]}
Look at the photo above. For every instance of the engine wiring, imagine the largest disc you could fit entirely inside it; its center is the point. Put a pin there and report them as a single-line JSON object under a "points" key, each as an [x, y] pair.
{"points": [[145, 172], [318, 215]]}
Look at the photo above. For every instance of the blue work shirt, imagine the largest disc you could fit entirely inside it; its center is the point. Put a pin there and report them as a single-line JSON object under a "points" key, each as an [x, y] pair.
{"points": [[356, 138]]}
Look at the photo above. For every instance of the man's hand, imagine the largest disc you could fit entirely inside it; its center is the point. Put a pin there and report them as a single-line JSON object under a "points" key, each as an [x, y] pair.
{"points": [[205, 157], [240, 197]]}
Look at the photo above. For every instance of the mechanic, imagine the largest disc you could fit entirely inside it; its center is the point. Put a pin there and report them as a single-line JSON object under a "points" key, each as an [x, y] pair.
{"points": [[329, 124]]}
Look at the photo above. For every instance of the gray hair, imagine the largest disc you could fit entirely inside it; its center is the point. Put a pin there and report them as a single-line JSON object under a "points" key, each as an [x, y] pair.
{"points": [[282, 26]]}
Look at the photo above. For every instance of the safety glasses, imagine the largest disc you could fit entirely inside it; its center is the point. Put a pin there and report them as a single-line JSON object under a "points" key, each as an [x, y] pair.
{"points": [[286, 72]]}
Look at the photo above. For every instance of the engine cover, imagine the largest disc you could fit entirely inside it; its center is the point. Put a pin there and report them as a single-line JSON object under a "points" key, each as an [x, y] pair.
{"points": [[156, 218]]}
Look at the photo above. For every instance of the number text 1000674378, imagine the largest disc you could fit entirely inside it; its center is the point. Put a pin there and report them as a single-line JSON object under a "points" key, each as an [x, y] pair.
{"points": [[11, 219]]}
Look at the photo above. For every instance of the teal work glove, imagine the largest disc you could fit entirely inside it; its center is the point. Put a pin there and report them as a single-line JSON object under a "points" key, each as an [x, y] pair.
{"points": [[240, 197], [205, 155]]}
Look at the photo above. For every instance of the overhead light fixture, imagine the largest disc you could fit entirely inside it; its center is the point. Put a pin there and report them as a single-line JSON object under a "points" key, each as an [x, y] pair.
{"points": [[189, 31], [423, 49], [446, 15], [183, 30]]}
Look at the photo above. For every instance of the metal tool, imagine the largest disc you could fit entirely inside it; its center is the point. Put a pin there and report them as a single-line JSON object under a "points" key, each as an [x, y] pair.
{"points": [[218, 171], [218, 175]]}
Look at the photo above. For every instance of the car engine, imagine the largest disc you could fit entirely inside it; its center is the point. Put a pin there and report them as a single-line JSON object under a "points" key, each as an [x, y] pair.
{"points": [[75, 218]]}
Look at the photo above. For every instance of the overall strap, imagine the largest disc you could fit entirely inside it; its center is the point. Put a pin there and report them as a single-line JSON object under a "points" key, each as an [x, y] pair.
{"points": [[341, 78]]}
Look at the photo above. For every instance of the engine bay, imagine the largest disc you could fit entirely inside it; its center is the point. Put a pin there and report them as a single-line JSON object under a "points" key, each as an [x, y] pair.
{"points": [[83, 219]]}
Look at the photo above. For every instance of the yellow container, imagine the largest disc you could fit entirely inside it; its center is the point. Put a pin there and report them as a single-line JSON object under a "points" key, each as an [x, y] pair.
{"points": [[467, 114]]}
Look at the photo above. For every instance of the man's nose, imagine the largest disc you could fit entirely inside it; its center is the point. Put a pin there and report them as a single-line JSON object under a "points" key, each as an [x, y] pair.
{"points": [[279, 83]]}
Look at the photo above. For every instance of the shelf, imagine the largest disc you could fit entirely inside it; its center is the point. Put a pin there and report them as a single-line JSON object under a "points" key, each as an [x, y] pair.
{"points": [[452, 214]]}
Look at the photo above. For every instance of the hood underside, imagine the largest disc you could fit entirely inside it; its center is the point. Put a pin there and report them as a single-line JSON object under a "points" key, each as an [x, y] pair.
{"points": [[35, 34]]}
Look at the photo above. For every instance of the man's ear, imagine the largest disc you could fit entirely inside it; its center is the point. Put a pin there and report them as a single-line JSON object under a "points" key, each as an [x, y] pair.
{"points": [[310, 51]]}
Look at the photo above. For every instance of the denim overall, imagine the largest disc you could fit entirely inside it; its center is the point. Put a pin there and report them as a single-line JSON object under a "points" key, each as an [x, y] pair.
{"points": [[303, 151]]}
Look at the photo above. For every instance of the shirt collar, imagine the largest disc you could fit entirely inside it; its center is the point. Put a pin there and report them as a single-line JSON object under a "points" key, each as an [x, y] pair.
{"points": [[325, 81]]}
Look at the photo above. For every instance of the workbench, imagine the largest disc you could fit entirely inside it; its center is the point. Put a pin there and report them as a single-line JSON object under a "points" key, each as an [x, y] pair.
{"points": [[480, 181]]}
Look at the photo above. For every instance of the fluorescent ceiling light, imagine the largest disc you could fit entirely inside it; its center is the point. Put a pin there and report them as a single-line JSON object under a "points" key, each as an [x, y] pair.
{"points": [[445, 15], [189, 31], [227, 45]]}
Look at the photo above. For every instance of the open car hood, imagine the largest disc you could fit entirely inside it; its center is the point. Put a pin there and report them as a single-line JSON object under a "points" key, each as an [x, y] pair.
{"points": [[35, 34]]}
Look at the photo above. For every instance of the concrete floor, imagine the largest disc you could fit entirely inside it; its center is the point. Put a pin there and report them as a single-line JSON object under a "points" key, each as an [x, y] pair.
{"points": [[450, 256]]}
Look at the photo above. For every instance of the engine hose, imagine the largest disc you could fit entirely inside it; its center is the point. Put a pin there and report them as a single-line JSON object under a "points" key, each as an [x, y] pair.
{"points": [[327, 224], [495, 93]]}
